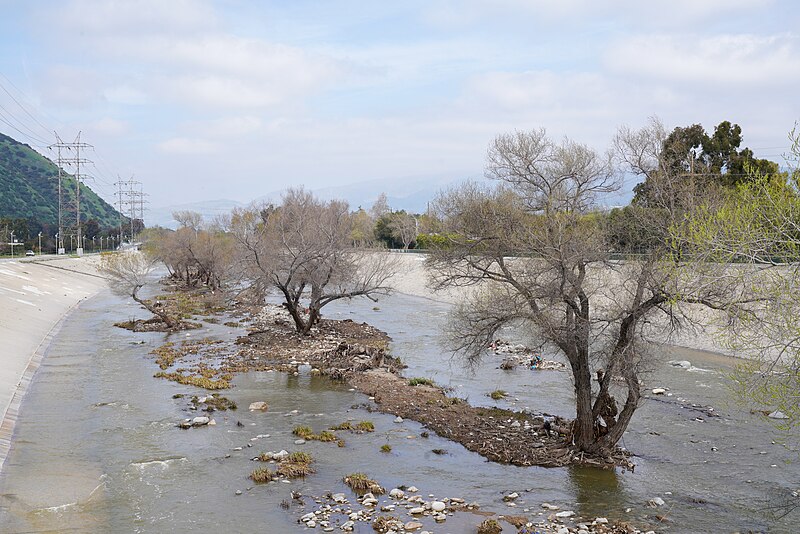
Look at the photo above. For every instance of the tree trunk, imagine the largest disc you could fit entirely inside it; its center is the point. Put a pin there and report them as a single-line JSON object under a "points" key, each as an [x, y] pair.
{"points": [[164, 316], [584, 418]]}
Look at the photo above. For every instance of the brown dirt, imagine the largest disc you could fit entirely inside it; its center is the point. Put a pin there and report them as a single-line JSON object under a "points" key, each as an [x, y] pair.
{"points": [[498, 435]]}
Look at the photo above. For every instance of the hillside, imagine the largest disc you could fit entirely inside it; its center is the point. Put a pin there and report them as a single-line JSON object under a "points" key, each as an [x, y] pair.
{"points": [[29, 188]]}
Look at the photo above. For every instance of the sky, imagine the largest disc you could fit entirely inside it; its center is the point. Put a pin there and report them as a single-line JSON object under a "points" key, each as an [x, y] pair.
{"points": [[234, 99]]}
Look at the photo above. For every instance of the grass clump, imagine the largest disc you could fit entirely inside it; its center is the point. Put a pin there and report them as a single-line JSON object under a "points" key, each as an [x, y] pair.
{"points": [[303, 431], [421, 382], [296, 465], [498, 394], [326, 435], [218, 402], [386, 448], [264, 457], [365, 426], [262, 475], [361, 483], [197, 381], [347, 425], [166, 355], [490, 526]]}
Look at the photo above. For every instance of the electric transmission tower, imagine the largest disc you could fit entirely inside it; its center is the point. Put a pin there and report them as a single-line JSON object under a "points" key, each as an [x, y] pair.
{"points": [[130, 203], [69, 155]]}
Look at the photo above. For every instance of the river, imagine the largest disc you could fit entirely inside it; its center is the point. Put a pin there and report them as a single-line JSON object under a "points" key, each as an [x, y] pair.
{"points": [[96, 448]]}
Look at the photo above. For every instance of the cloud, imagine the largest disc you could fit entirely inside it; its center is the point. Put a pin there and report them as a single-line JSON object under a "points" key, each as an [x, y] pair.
{"points": [[187, 146], [108, 126], [719, 60]]}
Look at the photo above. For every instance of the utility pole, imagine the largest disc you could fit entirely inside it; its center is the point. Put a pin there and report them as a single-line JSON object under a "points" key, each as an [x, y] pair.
{"points": [[74, 160], [130, 202]]}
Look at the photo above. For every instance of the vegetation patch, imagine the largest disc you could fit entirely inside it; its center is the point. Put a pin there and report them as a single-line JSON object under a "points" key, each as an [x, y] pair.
{"points": [[262, 475], [498, 394], [421, 382], [386, 448], [365, 426], [361, 483], [197, 381]]}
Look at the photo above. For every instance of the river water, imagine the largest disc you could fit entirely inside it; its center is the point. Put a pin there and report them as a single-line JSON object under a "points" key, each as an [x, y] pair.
{"points": [[96, 448]]}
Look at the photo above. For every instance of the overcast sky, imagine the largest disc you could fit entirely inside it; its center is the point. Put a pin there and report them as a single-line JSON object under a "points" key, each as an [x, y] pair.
{"points": [[234, 99]]}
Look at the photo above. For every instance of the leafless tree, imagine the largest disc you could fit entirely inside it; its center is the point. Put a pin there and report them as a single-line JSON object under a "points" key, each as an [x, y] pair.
{"points": [[537, 254], [196, 254], [303, 250], [380, 207], [128, 272], [404, 228]]}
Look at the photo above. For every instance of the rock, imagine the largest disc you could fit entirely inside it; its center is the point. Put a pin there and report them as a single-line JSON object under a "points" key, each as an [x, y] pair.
{"points": [[337, 497], [601, 521], [348, 526], [564, 514], [548, 506], [212, 422], [299, 441], [656, 501], [683, 364], [238, 492], [412, 525], [260, 405], [778, 415], [438, 506], [396, 493], [370, 502], [416, 511], [398, 419], [659, 391], [282, 455], [563, 530], [412, 489], [511, 497], [200, 421]]}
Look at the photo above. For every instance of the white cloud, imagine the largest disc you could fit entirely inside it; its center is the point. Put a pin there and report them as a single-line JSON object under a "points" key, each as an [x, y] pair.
{"points": [[108, 126], [720, 60], [187, 146]]}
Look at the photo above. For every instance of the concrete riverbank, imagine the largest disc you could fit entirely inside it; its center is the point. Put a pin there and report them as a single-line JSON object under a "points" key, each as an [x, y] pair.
{"points": [[35, 295]]}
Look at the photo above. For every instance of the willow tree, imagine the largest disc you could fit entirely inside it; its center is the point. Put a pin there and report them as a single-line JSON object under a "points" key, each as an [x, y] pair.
{"points": [[535, 251], [303, 250], [758, 229]]}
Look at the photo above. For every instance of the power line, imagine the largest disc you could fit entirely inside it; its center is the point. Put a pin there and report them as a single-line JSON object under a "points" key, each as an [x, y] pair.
{"points": [[75, 161], [23, 108]]}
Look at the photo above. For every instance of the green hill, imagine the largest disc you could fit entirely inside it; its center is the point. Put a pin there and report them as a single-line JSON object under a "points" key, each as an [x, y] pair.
{"points": [[29, 188]]}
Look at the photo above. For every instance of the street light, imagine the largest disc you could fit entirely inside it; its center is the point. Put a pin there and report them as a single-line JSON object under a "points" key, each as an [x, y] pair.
{"points": [[12, 244], [40, 243]]}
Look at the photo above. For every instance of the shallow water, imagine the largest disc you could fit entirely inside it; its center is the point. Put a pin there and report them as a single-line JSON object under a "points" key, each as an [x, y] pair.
{"points": [[96, 449]]}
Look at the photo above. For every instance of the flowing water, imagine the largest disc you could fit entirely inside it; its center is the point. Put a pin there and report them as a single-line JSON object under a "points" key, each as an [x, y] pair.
{"points": [[97, 450]]}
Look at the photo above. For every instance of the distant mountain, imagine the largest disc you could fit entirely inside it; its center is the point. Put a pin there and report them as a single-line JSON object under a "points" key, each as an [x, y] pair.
{"points": [[410, 193], [29, 188]]}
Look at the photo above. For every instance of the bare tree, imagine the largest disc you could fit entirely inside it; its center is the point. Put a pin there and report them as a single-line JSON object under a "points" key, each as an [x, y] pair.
{"points": [[404, 228], [380, 207], [538, 256], [302, 249], [128, 272]]}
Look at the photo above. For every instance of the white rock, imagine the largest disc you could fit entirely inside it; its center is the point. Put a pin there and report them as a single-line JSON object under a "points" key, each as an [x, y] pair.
{"points": [[659, 391], [511, 496], [398, 419], [412, 525], [565, 513], [396, 493], [656, 501], [778, 415], [601, 521], [299, 441], [412, 489], [416, 511], [438, 506], [548, 506], [200, 421], [337, 497], [212, 422], [348, 526], [683, 364], [260, 405], [563, 530]]}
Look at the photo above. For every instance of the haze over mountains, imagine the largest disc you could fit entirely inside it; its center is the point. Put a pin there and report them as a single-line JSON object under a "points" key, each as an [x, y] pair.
{"points": [[411, 194]]}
